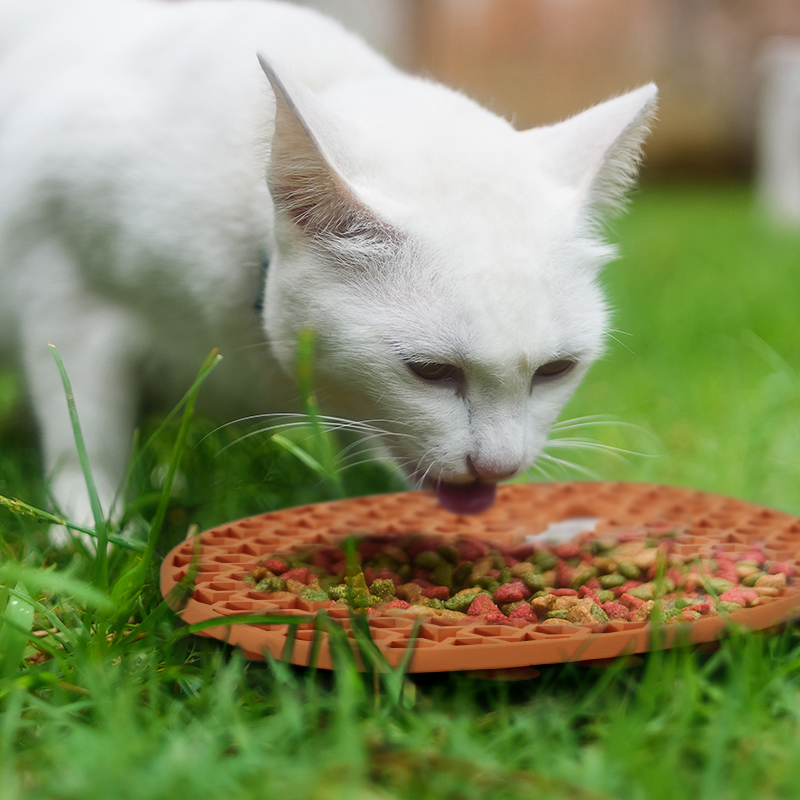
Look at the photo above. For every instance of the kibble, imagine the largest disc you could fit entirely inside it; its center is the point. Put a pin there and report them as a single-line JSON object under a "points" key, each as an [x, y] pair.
{"points": [[627, 575]]}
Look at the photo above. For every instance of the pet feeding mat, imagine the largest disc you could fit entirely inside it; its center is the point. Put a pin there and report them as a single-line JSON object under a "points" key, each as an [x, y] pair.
{"points": [[705, 523]]}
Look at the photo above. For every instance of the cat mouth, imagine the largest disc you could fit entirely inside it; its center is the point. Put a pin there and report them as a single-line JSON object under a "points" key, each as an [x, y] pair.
{"points": [[465, 498]]}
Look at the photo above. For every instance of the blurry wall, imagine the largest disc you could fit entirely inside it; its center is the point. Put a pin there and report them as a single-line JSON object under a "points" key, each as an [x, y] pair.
{"points": [[541, 60]]}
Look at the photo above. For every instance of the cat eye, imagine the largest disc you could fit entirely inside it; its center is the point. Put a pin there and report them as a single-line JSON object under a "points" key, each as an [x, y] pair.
{"points": [[436, 373], [552, 370]]}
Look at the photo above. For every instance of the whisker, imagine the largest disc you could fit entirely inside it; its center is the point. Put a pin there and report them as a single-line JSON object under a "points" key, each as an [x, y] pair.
{"points": [[569, 465]]}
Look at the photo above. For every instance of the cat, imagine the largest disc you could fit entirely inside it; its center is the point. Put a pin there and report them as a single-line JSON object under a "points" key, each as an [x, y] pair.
{"points": [[153, 156]]}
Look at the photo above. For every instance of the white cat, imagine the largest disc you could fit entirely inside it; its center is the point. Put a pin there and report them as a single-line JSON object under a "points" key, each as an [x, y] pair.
{"points": [[448, 263]]}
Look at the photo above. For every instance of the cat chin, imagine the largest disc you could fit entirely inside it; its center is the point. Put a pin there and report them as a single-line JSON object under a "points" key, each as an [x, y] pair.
{"points": [[465, 498]]}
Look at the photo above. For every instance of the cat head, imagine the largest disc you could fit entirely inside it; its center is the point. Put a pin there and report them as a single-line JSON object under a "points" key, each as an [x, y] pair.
{"points": [[448, 264]]}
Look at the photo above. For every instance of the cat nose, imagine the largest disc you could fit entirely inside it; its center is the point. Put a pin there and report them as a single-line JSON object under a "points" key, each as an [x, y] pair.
{"points": [[490, 471]]}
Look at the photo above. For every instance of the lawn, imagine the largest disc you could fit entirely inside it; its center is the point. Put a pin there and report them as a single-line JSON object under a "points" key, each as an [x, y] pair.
{"points": [[699, 387]]}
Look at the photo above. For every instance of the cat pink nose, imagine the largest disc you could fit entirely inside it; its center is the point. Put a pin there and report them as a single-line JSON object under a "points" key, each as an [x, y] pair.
{"points": [[490, 471]]}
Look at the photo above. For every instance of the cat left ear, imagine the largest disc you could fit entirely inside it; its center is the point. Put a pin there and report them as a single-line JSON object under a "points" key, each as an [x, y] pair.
{"points": [[304, 186], [599, 150]]}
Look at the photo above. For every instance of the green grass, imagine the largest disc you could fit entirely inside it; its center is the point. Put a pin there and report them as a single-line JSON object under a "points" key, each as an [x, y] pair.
{"points": [[116, 701]]}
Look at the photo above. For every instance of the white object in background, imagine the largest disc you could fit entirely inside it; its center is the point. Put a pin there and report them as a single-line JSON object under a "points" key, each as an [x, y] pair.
{"points": [[564, 531], [778, 142]]}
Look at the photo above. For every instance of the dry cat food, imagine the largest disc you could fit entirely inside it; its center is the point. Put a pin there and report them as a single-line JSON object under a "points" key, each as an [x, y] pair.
{"points": [[622, 573]]}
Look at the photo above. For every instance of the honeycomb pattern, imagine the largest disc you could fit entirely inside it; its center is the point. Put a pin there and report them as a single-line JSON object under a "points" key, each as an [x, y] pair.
{"points": [[225, 554]]}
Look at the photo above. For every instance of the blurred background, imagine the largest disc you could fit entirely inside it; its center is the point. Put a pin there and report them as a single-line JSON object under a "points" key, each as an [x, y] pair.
{"points": [[538, 61]]}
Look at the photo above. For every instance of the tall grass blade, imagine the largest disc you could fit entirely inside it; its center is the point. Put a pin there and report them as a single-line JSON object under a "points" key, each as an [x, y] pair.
{"points": [[325, 450], [177, 452], [101, 559]]}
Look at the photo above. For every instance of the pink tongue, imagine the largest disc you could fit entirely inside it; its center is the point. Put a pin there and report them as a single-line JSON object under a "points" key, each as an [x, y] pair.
{"points": [[465, 498]]}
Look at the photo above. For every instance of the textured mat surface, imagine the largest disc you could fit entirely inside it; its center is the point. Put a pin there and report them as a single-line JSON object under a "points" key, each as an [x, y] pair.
{"points": [[228, 552]]}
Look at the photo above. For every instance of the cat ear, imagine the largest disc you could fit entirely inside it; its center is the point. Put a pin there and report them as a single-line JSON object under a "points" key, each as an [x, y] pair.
{"points": [[598, 151], [305, 188]]}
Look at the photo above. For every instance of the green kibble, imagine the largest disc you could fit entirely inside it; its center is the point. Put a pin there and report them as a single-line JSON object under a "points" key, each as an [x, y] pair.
{"points": [[507, 608], [357, 583], [490, 584], [598, 613], [544, 560], [560, 614], [683, 602], [448, 553], [461, 602], [435, 602], [383, 588], [729, 608], [427, 559], [442, 574], [338, 592], [534, 581], [750, 580], [313, 595], [645, 591], [583, 575], [505, 576], [630, 571], [605, 595], [612, 580], [717, 585], [461, 573], [272, 583], [405, 573]]}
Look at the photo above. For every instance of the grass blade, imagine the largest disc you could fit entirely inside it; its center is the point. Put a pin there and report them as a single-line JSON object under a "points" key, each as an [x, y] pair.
{"points": [[101, 559]]}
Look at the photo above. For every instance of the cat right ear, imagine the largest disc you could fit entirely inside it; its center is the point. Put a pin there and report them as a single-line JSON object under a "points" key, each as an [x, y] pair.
{"points": [[305, 187], [599, 150]]}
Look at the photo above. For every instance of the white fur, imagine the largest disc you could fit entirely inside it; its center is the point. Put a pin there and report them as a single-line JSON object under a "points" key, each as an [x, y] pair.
{"points": [[408, 224]]}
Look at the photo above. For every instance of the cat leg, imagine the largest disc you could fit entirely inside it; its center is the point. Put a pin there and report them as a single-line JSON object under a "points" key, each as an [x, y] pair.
{"points": [[99, 344]]}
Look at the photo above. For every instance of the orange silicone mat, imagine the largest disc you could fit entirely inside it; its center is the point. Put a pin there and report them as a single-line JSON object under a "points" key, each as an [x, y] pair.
{"points": [[228, 552]]}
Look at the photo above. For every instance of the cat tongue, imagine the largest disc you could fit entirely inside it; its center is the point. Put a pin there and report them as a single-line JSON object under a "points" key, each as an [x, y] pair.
{"points": [[465, 498]]}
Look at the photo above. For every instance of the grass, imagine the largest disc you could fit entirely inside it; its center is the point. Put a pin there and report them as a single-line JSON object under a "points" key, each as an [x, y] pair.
{"points": [[115, 700]]}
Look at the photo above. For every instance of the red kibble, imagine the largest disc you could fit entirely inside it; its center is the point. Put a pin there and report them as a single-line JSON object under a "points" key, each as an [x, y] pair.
{"points": [[615, 610], [298, 574], [522, 611], [422, 582], [567, 550], [700, 608], [471, 550], [674, 574], [398, 604], [630, 602], [587, 591], [523, 551], [564, 592], [436, 592], [510, 592], [482, 604], [276, 565], [777, 567], [740, 595], [754, 555], [593, 584], [564, 573], [498, 618], [369, 548]]}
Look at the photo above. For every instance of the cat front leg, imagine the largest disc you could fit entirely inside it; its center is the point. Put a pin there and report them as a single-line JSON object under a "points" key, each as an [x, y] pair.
{"points": [[99, 343]]}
